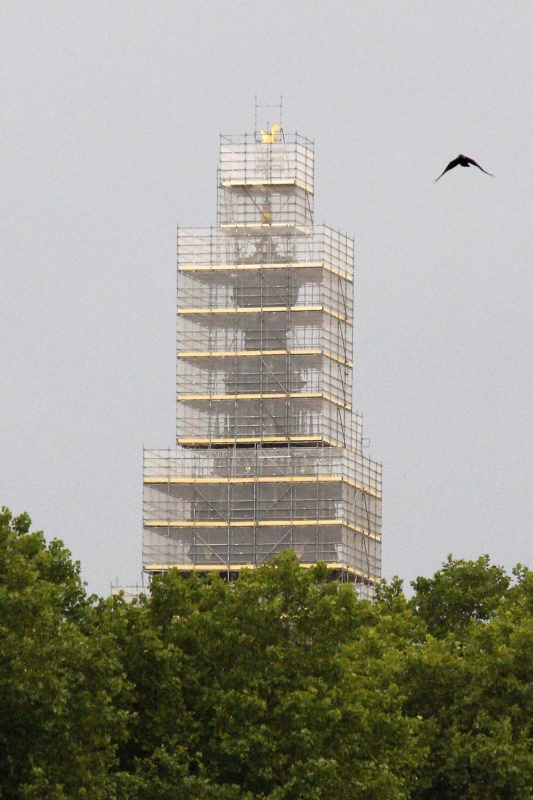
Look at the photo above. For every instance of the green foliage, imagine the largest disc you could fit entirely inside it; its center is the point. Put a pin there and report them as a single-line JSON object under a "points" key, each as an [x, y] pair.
{"points": [[460, 592], [271, 702], [472, 687], [59, 674], [282, 686]]}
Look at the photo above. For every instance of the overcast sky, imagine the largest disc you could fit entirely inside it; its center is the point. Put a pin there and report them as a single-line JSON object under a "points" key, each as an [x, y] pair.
{"points": [[111, 119]]}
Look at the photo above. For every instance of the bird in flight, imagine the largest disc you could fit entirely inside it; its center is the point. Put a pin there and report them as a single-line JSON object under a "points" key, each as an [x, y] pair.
{"points": [[463, 161]]}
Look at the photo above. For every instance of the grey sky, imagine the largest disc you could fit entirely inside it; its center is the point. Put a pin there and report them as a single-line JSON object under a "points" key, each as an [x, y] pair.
{"points": [[111, 118]]}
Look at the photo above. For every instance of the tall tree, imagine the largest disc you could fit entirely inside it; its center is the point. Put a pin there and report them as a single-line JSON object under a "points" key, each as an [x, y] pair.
{"points": [[471, 683], [282, 685], [458, 593], [59, 675]]}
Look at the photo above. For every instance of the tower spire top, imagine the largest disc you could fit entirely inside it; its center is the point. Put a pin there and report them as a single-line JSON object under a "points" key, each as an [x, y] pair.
{"points": [[265, 110]]}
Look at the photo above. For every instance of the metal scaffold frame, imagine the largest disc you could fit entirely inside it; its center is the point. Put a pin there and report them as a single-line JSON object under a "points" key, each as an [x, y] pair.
{"points": [[269, 452]]}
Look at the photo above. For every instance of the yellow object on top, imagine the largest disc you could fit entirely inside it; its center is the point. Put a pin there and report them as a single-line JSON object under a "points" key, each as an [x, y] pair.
{"points": [[270, 138]]}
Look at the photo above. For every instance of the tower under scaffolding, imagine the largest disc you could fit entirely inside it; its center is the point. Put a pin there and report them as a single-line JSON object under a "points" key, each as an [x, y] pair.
{"points": [[269, 452]]}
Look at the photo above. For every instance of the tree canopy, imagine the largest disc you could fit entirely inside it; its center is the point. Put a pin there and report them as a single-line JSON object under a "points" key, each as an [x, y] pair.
{"points": [[280, 686]]}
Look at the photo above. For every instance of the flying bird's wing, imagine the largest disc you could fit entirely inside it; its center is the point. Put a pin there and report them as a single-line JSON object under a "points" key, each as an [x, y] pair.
{"points": [[451, 165], [471, 161]]}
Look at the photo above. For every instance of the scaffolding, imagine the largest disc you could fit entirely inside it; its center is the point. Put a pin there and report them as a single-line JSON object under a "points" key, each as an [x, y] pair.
{"points": [[227, 508], [269, 449]]}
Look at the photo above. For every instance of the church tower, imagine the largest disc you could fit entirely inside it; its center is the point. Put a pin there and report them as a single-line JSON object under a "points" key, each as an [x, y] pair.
{"points": [[269, 449]]}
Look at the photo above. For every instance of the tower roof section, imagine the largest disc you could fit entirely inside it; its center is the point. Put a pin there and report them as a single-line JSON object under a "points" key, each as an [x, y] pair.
{"points": [[267, 159]]}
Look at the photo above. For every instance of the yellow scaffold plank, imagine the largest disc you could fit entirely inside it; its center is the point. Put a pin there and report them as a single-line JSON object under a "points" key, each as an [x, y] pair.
{"points": [[266, 182], [251, 523], [255, 266], [278, 265], [275, 227], [266, 310], [250, 396], [250, 309], [241, 523], [243, 353], [269, 479], [202, 441], [221, 567], [263, 396], [363, 532], [312, 351]]}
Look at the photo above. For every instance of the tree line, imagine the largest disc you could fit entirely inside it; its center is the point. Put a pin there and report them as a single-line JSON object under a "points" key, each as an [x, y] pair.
{"points": [[281, 686]]}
